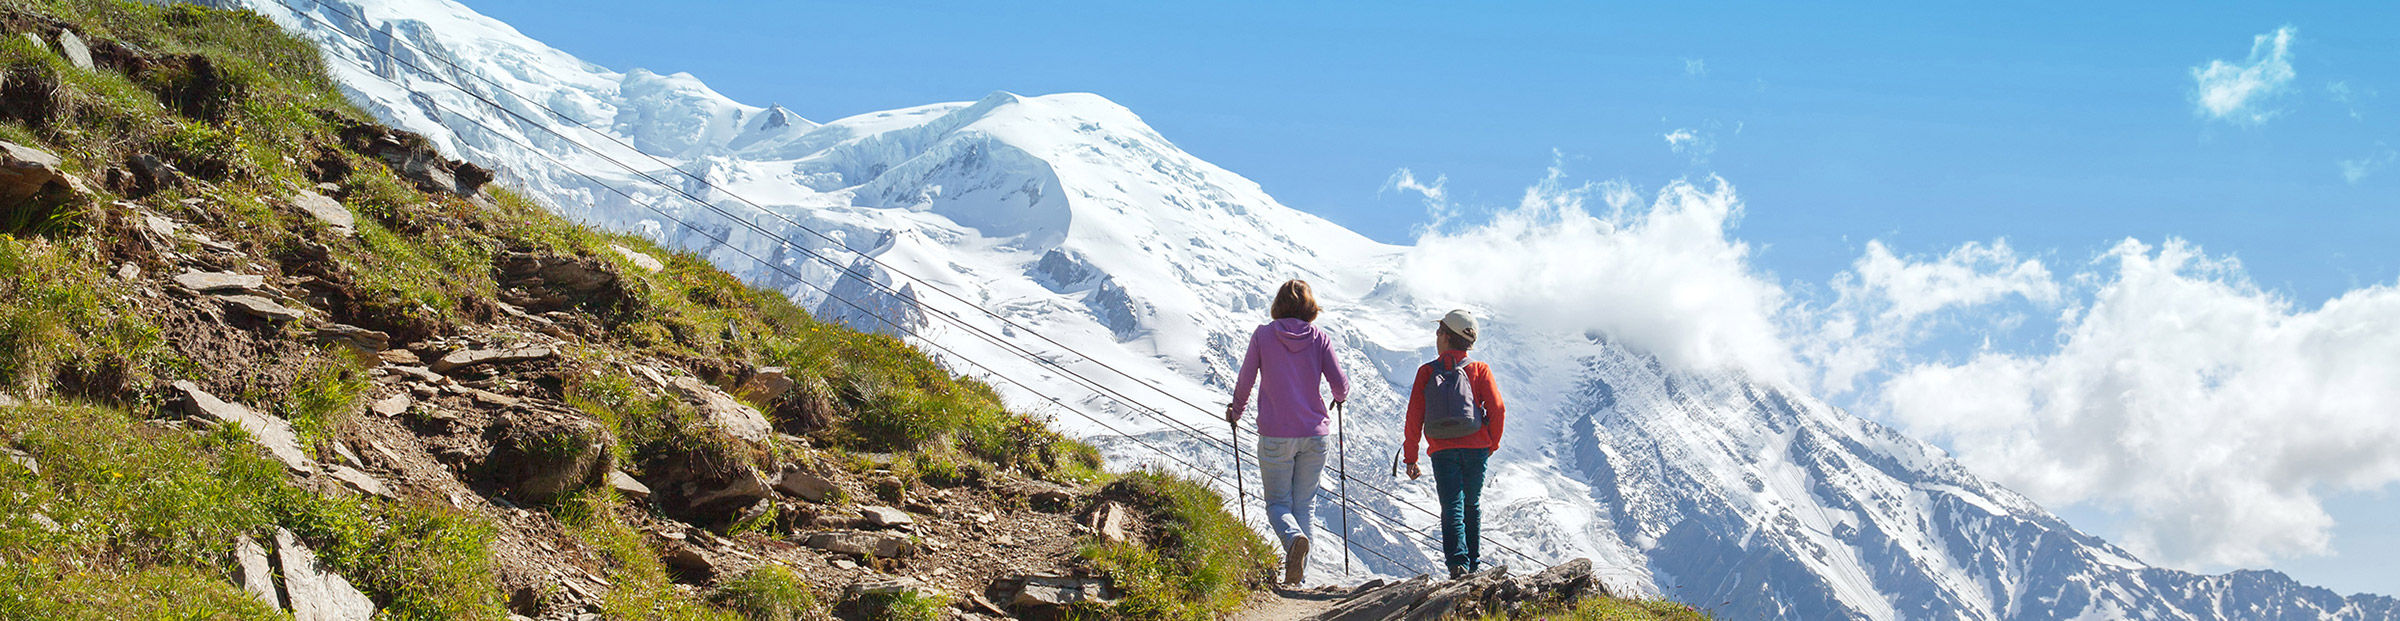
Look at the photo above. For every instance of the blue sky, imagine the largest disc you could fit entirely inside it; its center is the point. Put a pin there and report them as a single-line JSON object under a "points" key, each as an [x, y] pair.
{"points": [[2062, 129]]}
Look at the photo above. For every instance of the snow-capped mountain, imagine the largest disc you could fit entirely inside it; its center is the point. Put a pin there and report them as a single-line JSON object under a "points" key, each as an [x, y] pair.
{"points": [[1139, 270]]}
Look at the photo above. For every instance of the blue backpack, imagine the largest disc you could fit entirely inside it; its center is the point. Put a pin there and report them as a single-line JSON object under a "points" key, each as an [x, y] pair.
{"points": [[1450, 407]]}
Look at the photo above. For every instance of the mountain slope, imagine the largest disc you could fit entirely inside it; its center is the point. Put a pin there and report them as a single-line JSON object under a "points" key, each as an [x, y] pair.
{"points": [[1103, 247]]}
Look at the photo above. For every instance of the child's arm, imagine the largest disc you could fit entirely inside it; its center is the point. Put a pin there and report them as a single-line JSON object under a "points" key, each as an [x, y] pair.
{"points": [[1415, 427]]}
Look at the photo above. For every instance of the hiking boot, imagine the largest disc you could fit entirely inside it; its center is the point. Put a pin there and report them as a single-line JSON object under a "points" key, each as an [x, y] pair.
{"points": [[1456, 571], [1295, 560]]}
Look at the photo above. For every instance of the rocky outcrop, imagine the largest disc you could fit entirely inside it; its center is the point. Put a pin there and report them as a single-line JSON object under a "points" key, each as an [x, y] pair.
{"points": [[30, 176], [412, 157], [540, 458], [269, 432], [1490, 591]]}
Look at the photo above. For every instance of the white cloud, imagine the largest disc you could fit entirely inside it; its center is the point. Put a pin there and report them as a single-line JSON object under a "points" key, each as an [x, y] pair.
{"points": [[1886, 302], [2356, 170], [1691, 143], [1437, 202], [1695, 67], [2350, 97], [2208, 413], [1668, 279], [2239, 92]]}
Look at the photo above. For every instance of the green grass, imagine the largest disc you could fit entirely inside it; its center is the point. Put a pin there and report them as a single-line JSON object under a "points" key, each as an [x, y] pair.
{"points": [[162, 507], [60, 317], [767, 593], [641, 588], [1201, 563]]}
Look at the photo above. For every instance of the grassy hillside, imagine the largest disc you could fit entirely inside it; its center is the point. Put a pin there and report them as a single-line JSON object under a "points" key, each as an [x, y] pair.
{"points": [[122, 507]]}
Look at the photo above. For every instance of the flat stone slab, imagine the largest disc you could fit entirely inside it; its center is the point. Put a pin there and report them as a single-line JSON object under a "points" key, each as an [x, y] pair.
{"points": [[263, 308], [270, 432], [316, 592], [881, 545], [326, 210], [361, 481], [471, 357], [627, 486], [885, 516], [394, 405], [638, 258], [255, 573], [217, 282], [808, 486], [75, 50]]}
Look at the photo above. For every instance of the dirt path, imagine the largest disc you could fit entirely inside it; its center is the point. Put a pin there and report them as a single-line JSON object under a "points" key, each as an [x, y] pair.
{"points": [[1281, 604]]}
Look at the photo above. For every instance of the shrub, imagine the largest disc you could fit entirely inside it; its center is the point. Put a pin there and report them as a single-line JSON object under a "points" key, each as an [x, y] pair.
{"points": [[1200, 562]]}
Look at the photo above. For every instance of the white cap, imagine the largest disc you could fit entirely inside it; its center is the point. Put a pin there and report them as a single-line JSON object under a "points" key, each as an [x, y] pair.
{"points": [[1460, 322]]}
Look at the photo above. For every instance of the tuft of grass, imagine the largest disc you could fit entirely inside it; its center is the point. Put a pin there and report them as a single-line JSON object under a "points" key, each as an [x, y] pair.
{"points": [[641, 588], [768, 593], [59, 316], [327, 391], [1199, 564]]}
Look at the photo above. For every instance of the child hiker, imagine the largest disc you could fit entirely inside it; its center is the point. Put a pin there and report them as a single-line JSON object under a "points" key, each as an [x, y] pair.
{"points": [[1290, 355], [1456, 408]]}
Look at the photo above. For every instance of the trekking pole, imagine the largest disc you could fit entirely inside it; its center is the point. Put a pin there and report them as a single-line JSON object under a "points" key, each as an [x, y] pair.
{"points": [[1341, 442], [1241, 487]]}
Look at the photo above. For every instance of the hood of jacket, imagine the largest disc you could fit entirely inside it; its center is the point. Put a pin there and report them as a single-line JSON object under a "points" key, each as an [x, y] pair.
{"points": [[1295, 334]]}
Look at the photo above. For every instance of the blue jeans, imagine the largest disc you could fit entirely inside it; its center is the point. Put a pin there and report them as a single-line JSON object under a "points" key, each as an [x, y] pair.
{"points": [[1458, 479], [1287, 474]]}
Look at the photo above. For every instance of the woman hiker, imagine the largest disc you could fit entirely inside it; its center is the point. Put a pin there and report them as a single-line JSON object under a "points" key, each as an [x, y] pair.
{"points": [[1456, 407], [1291, 355]]}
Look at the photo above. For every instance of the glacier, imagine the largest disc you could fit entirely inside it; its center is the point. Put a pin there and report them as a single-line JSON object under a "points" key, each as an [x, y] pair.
{"points": [[1122, 276]]}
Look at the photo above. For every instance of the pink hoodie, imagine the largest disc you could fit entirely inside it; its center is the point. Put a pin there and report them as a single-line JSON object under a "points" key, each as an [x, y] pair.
{"points": [[1292, 354]]}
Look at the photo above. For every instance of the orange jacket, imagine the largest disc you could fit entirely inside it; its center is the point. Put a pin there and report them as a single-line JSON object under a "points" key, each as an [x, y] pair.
{"points": [[1487, 394]]}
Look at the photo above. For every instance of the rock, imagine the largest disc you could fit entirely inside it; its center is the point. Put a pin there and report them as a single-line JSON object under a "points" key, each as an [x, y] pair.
{"points": [[263, 308], [420, 374], [766, 385], [473, 357], [254, 572], [739, 491], [21, 458], [411, 156], [638, 258], [1051, 500], [879, 545], [807, 486], [1389, 602], [268, 431], [538, 460], [76, 52], [149, 175], [361, 481], [627, 486], [1445, 600], [1563, 582], [394, 405], [871, 596], [1111, 520], [363, 339], [1048, 592], [316, 592], [219, 282], [885, 516], [27, 173], [399, 357], [691, 561], [725, 412], [547, 282], [325, 210]]}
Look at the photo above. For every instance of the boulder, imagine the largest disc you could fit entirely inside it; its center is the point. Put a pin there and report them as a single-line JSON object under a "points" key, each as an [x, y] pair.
{"points": [[315, 591], [254, 571], [269, 432], [638, 258], [1056, 592], [871, 596], [326, 210], [27, 174], [1111, 520], [221, 282], [146, 174], [1564, 582], [544, 282], [807, 486], [262, 308], [75, 50], [474, 357], [1389, 602], [723, 411], [734, 493], [885, 517], [768, 384], [867, 544], [538, 459], [690, 561]]}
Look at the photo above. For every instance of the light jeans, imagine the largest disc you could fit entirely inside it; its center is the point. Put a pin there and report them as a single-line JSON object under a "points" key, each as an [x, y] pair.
{"points": [[1288, 469]]}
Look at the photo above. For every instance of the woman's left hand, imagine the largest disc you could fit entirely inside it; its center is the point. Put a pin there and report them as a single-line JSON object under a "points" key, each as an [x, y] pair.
{"points": [[1233, 412]]}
